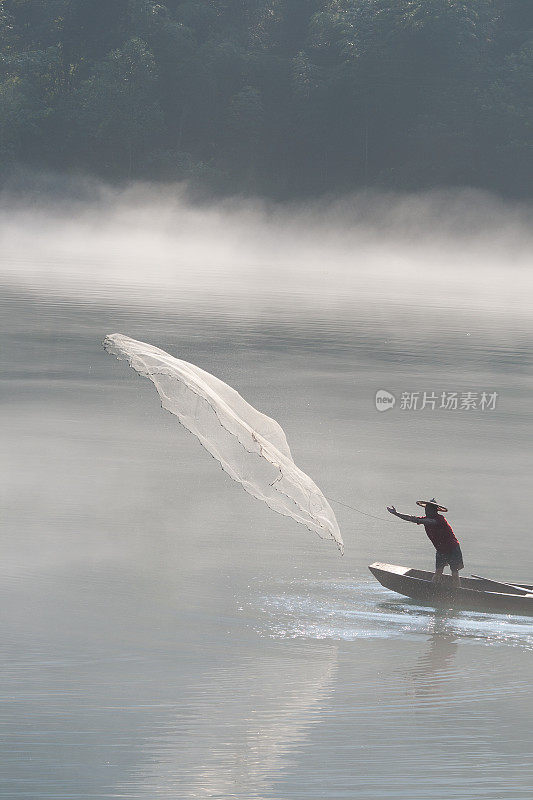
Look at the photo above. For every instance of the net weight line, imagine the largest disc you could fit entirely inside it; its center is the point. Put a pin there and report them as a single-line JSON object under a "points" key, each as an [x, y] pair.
{"points": [[358, 510]]}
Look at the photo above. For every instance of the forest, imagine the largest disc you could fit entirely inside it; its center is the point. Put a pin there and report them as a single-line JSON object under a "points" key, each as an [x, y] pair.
{"points": [[279, 98]]}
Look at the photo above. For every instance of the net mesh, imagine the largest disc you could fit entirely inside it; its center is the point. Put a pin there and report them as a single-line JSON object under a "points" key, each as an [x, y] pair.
{"points": [[251, 447]]}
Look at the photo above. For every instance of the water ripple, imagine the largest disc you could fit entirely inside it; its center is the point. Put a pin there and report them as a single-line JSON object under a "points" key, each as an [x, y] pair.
{"points": [[348, 611]]}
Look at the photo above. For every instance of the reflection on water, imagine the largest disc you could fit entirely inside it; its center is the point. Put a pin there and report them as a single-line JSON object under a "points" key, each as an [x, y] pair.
{"points": [[246, 725], [435, 666], [162, 634]]}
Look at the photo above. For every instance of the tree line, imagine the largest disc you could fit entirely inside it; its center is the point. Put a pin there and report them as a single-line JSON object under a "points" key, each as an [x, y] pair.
{"points": [[277, 97]]}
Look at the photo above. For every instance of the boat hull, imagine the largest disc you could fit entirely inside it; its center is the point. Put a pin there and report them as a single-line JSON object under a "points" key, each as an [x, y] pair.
{"points": [[472, 595]]}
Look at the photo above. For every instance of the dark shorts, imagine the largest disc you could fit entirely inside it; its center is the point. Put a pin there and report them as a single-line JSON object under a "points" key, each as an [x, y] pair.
{"points": [[454, 558]]}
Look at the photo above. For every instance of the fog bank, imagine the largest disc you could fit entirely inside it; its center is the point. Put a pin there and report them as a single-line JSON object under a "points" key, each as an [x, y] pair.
{"points": [[144, 244]]}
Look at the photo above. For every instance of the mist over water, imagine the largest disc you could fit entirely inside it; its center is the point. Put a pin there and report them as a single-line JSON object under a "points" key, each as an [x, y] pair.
{"points": [[145, 242], [163, 634]]}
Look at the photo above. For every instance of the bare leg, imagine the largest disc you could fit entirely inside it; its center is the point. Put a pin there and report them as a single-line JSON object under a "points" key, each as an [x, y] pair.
{"points": [[437, 577], [456, 580]]}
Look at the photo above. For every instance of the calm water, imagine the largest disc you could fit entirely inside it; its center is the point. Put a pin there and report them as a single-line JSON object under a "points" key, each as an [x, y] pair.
{"points": [[166, 636]]}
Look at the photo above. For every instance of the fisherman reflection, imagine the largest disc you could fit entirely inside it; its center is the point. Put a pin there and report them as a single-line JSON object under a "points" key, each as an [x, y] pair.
{"points": [[433, 670]]}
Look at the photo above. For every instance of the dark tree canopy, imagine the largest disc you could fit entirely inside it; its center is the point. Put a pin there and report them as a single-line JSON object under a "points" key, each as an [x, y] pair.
{"points": [[280, 97]]}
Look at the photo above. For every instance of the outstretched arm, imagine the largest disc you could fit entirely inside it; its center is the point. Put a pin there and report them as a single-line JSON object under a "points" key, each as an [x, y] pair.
{"points": [[408, 518]]}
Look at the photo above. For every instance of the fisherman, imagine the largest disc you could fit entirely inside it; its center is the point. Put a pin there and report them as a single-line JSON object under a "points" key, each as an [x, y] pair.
{"points": [[448, 549]]}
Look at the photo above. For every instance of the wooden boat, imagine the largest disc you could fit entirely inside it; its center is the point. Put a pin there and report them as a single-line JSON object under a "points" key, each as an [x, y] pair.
{"points": [[499, 586], [475, 593]]}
